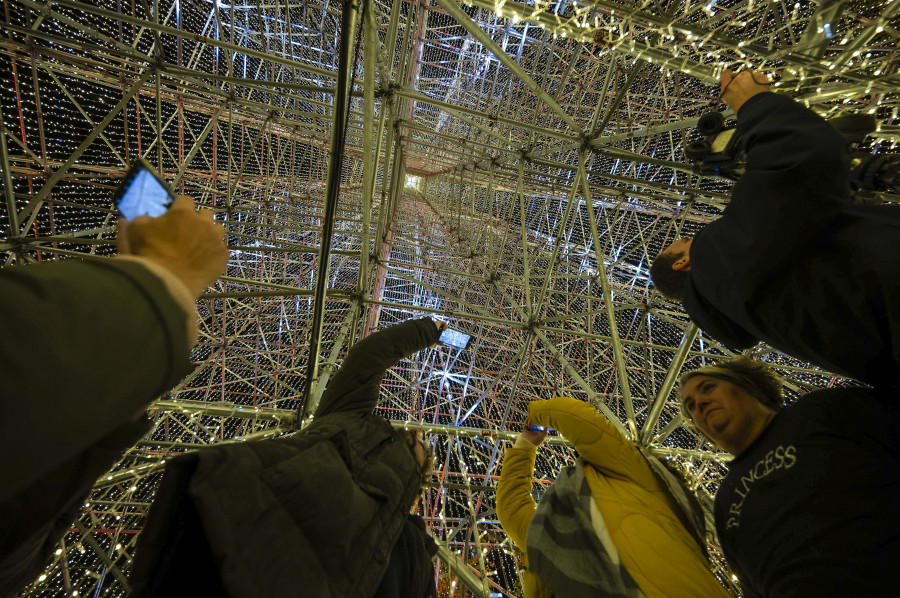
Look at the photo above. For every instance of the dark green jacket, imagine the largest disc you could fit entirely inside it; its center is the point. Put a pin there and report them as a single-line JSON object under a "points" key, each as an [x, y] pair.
{"points": [[84, 346], [313, 514]]}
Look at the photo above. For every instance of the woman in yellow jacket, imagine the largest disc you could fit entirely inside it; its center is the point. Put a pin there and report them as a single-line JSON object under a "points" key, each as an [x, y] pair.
{"points": [[633, 521]]}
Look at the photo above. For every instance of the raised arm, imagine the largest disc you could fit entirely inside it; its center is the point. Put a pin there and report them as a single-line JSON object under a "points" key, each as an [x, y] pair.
{"points": [[596, 439], [355, 387], [85, 346], [515, 506], [797, 181]]}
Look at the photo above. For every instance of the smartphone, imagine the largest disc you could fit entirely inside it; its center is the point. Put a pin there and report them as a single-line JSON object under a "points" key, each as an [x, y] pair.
{"points": [[454, 338], [143, 192]]}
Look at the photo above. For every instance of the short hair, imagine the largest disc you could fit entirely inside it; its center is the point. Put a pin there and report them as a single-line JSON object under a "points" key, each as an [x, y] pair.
{"points": [[669, 282], [755, 377]]}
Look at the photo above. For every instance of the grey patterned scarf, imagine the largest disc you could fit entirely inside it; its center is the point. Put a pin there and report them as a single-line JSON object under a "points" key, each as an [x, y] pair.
{"points": [[564, 544]]}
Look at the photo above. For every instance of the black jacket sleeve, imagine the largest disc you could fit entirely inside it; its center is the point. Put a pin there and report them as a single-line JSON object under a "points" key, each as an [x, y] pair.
{"points": [[357, 383], [795, 187], [83, 347], [796, 181], [713, 322]]}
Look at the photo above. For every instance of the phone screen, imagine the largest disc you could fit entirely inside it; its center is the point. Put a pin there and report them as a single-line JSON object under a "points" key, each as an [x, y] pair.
{"points": [[142, 194], [454, 338]]}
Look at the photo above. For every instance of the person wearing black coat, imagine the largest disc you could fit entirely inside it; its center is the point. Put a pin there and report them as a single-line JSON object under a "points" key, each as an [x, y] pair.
{"points": [[85, 347], [792, 262], [318, 513]]}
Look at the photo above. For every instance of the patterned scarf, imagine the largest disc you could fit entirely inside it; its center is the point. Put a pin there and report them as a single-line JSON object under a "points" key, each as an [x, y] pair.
{"points": [[564, 544]]}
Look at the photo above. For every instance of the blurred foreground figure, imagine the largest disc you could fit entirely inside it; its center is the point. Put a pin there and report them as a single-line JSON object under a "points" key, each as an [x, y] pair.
{"points": [[811, 503], [323, 512], [84, 348], [792, 261], [617, 523]]}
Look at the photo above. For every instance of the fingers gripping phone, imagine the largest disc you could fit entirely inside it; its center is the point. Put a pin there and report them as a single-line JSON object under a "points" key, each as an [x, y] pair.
{"points": [[454, 338], [143, 192], [535, 428]]}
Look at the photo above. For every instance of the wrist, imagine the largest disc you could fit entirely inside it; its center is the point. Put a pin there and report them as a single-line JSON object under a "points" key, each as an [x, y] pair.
{"points": [[750, 100], [522, 442], [194, 286], [181, 292]]}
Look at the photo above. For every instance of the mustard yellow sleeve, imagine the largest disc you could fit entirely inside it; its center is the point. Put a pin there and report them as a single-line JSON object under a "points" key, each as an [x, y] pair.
{"points": [[515, 506], [596, 439]]}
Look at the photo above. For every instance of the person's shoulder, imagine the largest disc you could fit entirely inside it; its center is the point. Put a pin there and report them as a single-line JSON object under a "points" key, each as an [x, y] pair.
{"points": [[845, 403], [717, 242], [840, 394], [762, 105]]}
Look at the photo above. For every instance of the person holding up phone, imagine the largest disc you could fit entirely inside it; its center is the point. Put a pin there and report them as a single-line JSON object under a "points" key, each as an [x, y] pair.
{"points": [[321, 512], [85, 346], [617, 523]]}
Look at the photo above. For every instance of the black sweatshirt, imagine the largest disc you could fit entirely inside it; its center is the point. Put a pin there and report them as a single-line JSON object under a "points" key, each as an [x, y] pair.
{"points": [[812, 507], [792, 262]]}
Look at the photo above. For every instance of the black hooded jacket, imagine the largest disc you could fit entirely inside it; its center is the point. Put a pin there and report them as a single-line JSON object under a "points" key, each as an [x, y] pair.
{"points": [[792, 262]]}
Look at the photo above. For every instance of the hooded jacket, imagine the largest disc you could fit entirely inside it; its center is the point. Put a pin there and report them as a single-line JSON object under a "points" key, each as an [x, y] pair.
{"points": [[317, 512]]}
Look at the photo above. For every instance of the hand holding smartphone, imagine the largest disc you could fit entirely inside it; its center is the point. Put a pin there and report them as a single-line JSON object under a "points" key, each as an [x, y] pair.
{"points": [[534, 434], [187, 243]]}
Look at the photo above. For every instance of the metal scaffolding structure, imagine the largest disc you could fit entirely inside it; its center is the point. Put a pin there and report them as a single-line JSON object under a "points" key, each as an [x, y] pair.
{"points": [[509, 167]]}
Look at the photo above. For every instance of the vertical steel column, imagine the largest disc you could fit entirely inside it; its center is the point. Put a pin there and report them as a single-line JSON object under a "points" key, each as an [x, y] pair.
{"points": [[7, 181], [382, 232], [607, 298], [332, 192], [370, 153], [527, 275], [329, 367]]}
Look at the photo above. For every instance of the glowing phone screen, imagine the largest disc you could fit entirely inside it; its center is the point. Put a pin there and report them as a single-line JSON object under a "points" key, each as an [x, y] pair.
{"points": [[454, 338], [144, 196]]}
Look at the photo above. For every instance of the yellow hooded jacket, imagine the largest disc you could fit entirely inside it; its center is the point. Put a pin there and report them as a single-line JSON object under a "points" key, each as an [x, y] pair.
{"points": [[643, 520]]}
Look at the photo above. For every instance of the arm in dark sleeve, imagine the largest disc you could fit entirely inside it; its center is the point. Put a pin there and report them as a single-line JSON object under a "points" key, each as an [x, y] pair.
{"points": [[84, 346], [796, 180], [34, 520], [357, 383]]}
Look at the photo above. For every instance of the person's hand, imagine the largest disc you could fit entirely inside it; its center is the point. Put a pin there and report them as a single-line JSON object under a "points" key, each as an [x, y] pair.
{"points": [[441, 327], [187, 243], [535, 437], [737, 89]]}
